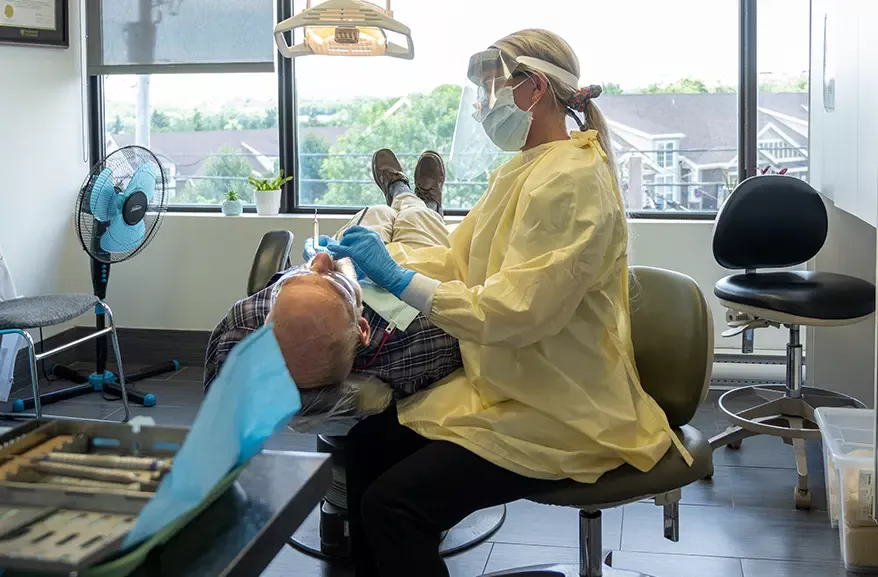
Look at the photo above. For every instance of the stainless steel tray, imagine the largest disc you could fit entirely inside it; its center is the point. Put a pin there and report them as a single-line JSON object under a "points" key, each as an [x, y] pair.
{"points": [[61, 529]]}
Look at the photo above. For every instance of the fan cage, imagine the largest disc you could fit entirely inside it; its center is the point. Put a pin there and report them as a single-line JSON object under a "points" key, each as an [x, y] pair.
{"points": [[122, 164]]}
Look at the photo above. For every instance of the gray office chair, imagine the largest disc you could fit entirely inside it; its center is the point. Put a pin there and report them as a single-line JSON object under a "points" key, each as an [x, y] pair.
{"points": [[324, 534], [19, 314], [672, 332], [778, 221]]}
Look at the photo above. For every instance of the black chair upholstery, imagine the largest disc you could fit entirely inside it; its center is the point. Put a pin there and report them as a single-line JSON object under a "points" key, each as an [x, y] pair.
{"points": [[770, 221], [776, 221], [272, 255], [814, 295]]}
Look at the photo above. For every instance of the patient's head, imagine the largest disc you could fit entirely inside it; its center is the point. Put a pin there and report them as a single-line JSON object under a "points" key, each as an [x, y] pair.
{"points": [[318, 321]]}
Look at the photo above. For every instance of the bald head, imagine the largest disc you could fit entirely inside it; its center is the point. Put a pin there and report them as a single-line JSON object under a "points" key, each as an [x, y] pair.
{"points": [[317, 330]]}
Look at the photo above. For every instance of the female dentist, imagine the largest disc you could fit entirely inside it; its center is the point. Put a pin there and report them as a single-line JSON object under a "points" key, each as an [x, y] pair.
{"points": [[535, 287]]}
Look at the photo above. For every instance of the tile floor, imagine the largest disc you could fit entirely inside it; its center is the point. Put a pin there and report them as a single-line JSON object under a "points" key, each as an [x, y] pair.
{"points": [[739, 524]]}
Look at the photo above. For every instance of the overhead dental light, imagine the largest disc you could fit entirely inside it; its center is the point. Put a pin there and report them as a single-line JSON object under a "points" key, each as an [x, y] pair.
{"points": [[345, 28]]}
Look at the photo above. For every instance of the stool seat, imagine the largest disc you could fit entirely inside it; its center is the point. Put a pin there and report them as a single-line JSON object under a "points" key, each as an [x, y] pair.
{"points": [[627, 484], [44, 310], [821, 296]]}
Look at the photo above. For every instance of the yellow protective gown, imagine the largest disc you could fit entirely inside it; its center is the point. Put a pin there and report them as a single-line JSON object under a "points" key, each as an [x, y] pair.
{"points": [[535, 286]]}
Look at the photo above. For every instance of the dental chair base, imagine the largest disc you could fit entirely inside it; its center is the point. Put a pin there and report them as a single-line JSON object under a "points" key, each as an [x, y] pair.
{"points": [[325, 535], [593, 562]]}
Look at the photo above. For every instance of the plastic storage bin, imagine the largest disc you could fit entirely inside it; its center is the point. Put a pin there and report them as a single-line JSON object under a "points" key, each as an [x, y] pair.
{"points": [[849, 445]]}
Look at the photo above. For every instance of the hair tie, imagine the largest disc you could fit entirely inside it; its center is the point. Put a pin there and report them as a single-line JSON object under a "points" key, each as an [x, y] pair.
{"points": [[579, 100]]}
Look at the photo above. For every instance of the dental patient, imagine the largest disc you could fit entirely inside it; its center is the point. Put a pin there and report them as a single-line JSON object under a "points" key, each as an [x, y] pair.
{"points": [[323, 326]]}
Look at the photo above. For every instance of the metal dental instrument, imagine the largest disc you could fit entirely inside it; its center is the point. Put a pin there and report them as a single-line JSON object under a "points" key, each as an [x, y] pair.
{"points": [[316, 230]]}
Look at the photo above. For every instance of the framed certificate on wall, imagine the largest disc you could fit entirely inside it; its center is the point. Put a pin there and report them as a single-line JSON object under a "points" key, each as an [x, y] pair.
{"points": [[35, 22]]}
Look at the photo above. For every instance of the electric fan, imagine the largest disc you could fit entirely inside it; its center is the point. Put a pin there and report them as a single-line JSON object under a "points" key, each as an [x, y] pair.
{"points": [[118, 211]]}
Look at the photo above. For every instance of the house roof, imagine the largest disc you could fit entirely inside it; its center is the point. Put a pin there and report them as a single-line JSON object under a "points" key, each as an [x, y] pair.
{"points": [[708, 122], [188, 151]]}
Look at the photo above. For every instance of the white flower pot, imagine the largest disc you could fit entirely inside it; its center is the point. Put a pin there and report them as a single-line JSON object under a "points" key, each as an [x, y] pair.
{"points": [[233, 207], [268, 202]]}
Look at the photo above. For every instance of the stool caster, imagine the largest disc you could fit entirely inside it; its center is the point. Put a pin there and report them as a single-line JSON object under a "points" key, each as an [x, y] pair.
{"points": [[736, 446]]}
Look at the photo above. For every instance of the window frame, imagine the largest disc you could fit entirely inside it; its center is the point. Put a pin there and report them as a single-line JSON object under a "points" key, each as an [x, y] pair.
{"points": [[748, 89]]}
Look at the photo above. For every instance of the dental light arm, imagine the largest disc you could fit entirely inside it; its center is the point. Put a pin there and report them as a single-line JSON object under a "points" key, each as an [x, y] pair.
{"points": [[345, 28]]}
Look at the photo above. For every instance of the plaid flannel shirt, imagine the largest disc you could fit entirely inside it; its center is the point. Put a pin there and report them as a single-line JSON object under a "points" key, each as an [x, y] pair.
{"points": [[409, 361]]}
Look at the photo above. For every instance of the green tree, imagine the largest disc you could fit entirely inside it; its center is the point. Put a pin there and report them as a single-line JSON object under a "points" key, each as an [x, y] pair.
{"points": [[117, 127], [612, 88], [724, 88], [313, 151], [409, 126], [160, 121], [798, 84], [682, 86], [223, 172]]}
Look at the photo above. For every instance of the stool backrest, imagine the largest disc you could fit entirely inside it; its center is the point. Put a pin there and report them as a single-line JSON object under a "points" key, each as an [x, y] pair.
{"points": [[770, 221], [272, 256], [672, 332]]}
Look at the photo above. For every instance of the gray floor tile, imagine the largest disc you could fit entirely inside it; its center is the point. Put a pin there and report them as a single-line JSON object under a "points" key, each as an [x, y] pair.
{"points": [[715, 492], [760, 451], [773, 488], [791, 569], [170, 416], [705, 419], [170, 393], [194, 374], [657, 565], [291, 442], [532, 524], [505, 556], [290, 562], [97, 409], [723, 532]]}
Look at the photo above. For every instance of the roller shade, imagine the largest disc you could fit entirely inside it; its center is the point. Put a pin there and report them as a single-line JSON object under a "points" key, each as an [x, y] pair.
{"points": [[167, 36]]}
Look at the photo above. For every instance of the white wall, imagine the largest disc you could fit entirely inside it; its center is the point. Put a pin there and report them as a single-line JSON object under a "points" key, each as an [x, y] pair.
{"points": [[197, 266], [41, 158], [844, 165]]}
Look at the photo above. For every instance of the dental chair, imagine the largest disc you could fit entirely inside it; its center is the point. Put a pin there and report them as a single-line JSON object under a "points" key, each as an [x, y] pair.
{"points": [[776, 221], [324, 534], [672, 331]]}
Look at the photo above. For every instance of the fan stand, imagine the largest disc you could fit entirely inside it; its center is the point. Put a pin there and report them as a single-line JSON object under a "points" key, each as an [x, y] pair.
{"points": [[101, 379]]}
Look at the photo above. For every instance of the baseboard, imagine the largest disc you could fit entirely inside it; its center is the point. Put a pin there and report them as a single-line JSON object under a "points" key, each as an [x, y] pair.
{"points": [[139, 347]]}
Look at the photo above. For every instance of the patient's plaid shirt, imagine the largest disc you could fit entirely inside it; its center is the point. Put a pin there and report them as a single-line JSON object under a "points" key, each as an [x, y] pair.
{"points": [[410, 360]]}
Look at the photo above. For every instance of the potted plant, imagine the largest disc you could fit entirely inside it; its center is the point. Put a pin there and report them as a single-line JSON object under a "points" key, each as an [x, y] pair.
{"points": [[232, 206], [268, 193]]}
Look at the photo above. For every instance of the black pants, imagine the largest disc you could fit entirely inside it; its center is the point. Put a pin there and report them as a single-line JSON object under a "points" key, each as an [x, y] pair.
{"points": [[404, 490]]}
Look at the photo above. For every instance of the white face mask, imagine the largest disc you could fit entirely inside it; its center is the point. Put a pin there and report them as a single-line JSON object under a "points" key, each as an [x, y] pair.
{"points": [[505, 123]]}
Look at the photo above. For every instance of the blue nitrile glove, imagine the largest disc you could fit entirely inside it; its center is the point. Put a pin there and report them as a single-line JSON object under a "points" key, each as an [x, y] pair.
{"points": [[366, 249], [310, 251]]}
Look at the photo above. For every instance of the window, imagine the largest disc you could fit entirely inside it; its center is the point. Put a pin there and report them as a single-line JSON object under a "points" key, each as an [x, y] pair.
{"points": [[211, 132], [664, 156], [349, 108], [783, 63], [217, 119]]}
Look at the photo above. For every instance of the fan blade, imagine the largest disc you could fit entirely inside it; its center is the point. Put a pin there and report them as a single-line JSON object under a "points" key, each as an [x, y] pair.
{"points": [[102, 199], [144, 179], [121, 237]]}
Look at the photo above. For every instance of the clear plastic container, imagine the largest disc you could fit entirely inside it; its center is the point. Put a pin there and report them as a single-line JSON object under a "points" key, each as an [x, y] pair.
{"points": [[849, 447]]}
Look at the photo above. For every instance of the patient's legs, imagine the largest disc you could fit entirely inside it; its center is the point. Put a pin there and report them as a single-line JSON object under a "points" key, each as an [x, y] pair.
{"points": [[407, 221]]}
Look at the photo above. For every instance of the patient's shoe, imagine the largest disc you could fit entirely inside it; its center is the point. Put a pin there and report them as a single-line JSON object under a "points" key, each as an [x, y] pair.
{"points": [[386, 170], [429, 180]]}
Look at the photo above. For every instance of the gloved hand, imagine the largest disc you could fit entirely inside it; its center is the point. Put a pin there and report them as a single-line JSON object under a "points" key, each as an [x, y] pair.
{"points": [[366, 249], [310, 251]]}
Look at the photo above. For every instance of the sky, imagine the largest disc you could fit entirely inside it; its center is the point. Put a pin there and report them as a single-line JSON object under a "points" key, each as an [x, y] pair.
{"points": [[629, 42]]}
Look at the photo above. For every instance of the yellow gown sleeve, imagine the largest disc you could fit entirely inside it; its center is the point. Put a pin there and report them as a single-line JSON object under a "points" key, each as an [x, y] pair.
{"points": [[558, 249]]}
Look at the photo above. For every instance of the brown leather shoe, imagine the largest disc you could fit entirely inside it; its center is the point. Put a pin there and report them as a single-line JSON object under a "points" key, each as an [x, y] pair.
{"points": [[386, 170], [429, 180]]}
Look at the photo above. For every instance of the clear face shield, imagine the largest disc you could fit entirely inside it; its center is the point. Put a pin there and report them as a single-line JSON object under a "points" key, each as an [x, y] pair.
{"points": [[472, 151]]}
